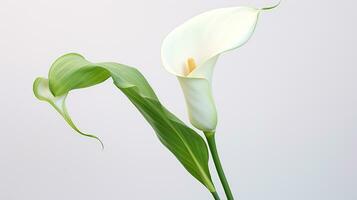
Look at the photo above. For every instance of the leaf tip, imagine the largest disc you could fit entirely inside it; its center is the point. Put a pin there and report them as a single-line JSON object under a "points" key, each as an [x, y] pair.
{"points": [[271, 7]]}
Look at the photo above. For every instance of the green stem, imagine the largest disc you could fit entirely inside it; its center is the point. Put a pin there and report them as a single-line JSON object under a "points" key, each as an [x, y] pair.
{"points": [[215, 196], [213, 148]]}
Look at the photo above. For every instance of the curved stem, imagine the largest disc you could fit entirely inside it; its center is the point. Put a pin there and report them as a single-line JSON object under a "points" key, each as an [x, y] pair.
{"points": [[215, 196], [213, 148]]}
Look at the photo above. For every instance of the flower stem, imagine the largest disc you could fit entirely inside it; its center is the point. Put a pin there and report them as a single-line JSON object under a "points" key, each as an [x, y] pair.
{"points": [[213, 148], [215, 196]]}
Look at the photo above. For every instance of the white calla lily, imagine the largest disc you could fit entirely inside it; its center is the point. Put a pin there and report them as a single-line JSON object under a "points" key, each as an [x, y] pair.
{"points": [[191, 50]]}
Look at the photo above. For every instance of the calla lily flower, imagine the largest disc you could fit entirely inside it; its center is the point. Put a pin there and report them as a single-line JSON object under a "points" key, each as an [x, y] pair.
{"points": [[191, 51]]}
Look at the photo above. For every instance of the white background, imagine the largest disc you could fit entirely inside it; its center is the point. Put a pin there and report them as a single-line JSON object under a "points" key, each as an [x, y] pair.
{"points": [[286, 102]]}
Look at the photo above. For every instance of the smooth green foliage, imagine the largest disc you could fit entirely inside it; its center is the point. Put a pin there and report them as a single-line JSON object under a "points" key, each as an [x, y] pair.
{"points": [[73, 71], [43, 93]]}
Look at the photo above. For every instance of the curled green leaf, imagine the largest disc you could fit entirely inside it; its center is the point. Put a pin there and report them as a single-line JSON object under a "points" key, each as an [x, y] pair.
{"points": [[42, 92], [73, 71]]}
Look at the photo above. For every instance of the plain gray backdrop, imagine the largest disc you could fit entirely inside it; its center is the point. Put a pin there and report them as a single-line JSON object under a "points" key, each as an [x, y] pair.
{"points": [[286, 103]]}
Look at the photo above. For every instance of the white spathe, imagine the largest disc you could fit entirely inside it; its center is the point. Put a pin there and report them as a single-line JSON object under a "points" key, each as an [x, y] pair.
{"points": [[203, 38]]}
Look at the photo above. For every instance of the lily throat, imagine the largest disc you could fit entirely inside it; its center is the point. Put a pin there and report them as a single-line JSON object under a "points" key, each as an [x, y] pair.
{"points": [[190, 66]]}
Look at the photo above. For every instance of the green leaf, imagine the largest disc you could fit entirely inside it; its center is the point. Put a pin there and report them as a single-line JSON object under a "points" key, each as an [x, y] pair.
{"points": [[73, 71]]}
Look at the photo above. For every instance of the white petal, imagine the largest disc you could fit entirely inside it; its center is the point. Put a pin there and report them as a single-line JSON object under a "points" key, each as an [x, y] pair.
{"points": [[199, 100], [200, 104], [206, 36]]}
